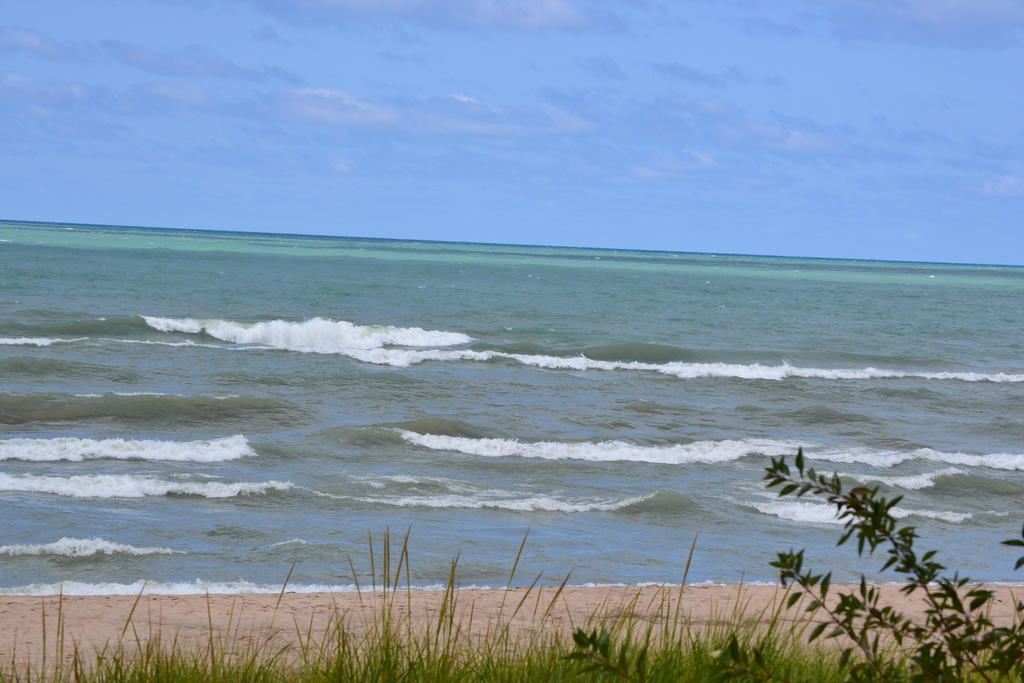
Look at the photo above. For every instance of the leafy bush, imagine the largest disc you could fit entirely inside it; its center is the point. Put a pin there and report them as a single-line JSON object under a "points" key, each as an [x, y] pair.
{"points": [[956, 639]]}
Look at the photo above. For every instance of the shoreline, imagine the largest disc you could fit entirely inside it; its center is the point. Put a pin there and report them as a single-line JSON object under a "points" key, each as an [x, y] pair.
{"points": [[35, 628], [244, 589]]}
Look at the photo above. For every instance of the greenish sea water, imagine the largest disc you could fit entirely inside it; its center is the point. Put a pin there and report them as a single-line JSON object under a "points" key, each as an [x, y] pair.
{"points": [[198, 409]]}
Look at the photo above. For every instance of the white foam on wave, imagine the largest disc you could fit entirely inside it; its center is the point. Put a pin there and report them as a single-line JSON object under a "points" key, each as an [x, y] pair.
{"points": [[318, 335], [82, 547], [162, 343], [197, 587], [886, 458], [458, 494], [123, 393], [74, 449], [35, 341], [367, 343], [710, 452], [910, 481], [131, 486], [528, 504], [824, 513], [749, 371], [402, 358], [606, 451]]}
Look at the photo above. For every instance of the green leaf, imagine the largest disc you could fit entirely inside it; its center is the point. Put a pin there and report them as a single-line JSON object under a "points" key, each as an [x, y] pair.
{"points": [[580, 637]]}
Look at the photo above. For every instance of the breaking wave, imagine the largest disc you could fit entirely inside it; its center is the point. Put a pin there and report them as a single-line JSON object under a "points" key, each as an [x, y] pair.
{"points": [[528, 504], [910, 481], [368, 343], [605, 451], [131, 486], [74, 449], [886, 459], [707, 452], [34, 341], [82, 547], [823, 513], [317, 335], [441, 492]]}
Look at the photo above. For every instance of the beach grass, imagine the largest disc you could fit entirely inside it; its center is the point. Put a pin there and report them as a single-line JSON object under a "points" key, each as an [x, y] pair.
{"points": [[399, 650], [398, 645]]}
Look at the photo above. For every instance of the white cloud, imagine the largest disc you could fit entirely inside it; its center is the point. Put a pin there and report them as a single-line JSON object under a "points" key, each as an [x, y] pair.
{"points": [[465, 99], [334, 107]]}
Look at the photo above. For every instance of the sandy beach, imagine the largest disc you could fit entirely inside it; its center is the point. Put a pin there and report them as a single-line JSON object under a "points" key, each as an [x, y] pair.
{"points": [[32, 626]]}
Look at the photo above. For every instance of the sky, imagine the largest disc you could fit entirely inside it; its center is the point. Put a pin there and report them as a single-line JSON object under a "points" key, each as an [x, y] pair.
{"points": [[889, 129]]}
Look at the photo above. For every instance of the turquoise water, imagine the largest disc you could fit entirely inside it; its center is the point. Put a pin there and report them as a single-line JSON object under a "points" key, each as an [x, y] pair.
{"points": [[198, 410]]}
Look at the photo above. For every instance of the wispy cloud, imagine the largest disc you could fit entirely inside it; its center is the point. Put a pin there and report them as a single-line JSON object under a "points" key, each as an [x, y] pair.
{"points": [[455, 114], [33, 42], [331, 107], [1003, 186], [687, 74], [505, 14], [193, 61], [604, 68], [673, 165], [965, 23]]}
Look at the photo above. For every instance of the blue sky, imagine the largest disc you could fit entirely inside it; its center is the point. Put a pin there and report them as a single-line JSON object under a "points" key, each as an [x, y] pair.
{"points": [[843, 128]]}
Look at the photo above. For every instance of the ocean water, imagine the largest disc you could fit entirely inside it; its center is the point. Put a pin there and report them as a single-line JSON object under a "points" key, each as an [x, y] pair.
{"points": [[199, 410]]}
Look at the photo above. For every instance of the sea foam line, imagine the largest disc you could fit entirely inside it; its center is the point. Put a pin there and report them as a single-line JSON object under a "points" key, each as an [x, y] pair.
{"points": [[75, 449], [367, 343], [528, 504], [605, 451], [36, 341], [824, 513], [131, 486], [910, 481], [702, 451], [82, 547]]}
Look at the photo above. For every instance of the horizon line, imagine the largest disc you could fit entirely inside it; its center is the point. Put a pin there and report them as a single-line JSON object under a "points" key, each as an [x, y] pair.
{"points": [[504, 244]]}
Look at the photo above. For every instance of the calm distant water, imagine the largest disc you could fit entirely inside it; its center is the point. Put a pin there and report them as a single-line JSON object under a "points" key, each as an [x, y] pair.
{"points": [[199, 410]]}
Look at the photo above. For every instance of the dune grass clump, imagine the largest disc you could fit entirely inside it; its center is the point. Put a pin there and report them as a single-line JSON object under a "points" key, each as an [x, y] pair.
{"points": [[393, 653], [654, 641]]}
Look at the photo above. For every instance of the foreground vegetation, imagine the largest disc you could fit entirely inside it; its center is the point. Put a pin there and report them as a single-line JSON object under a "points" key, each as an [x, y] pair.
{"points": [[816, 633]]}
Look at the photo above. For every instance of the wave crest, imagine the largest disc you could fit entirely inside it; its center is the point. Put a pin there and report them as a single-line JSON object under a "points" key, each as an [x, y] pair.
{"points": [[131, 486], [317, 335], [75, 450], [368, 343], [82, 547], [605, 451], [34, 341], [709, 452], [824, 513]]}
